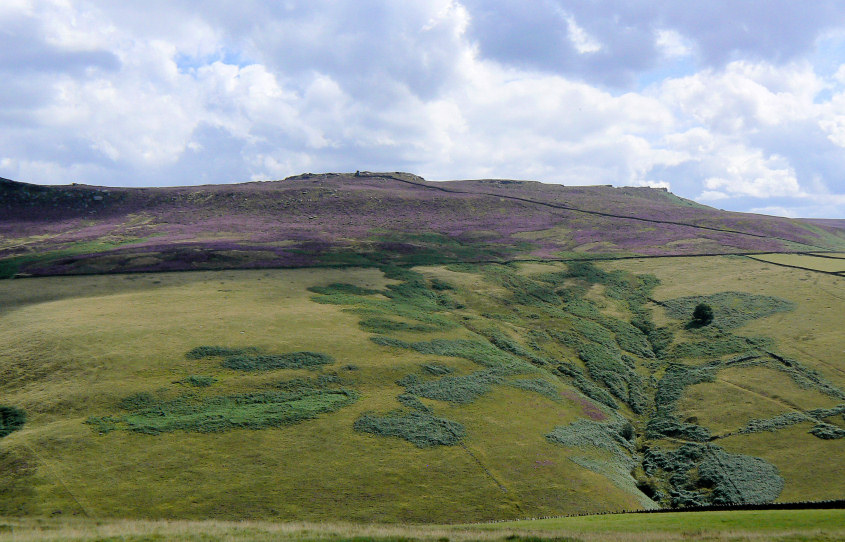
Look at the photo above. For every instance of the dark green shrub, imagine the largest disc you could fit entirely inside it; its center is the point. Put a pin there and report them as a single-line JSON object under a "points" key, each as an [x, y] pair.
{"points": [[421, 429], [827, 431], [702, 314], [268, 362], [11, 419]]}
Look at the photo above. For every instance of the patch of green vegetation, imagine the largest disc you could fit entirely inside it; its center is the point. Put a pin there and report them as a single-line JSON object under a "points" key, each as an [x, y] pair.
{"points": [[213, 414], [11, 266], [616, 437], [482, 353], [633, 289], [390, 341], [503, 342], [827, 431], [199, 381], [454, 389], [377, 324], [11, 419], [776, 423], [720, 344], [629, 337], [209, 351], [821, 429], [269, 362], [414, 299], [421, 429], [606, 365], [537, 385], [807, 378], [659, 338], [411, 401], [585, 385], [670, 388], [436, 370], [730, 309], [706, 474]]}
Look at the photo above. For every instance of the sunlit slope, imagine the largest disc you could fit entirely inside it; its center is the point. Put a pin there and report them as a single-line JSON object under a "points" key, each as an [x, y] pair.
{"points": [[78, 356], [440, 393]]}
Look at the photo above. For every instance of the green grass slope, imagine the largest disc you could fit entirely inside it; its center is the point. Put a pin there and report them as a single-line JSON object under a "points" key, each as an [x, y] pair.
{"points": [[433, 394]]}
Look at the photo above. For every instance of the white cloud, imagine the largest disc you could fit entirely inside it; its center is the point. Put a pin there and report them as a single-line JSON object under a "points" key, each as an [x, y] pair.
{"points": [[672, 44], [775, 211], [745, 172], [653, 184], [583, 42], [169, 94]]}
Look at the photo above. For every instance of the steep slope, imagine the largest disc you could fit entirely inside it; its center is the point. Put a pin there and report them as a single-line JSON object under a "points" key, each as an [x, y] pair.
{"points": [[440, 393], [366, 219]]}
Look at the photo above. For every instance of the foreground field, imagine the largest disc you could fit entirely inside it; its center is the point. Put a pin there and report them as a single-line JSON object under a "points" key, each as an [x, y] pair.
{"points": [[769, 525], [437, 394]]}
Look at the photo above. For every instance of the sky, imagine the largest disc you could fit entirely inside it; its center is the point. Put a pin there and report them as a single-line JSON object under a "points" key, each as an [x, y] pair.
{"points": [[735, 104]]}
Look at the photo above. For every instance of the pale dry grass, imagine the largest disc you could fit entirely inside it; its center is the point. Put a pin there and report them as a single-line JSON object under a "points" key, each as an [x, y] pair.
{"points": [[79, 530]]}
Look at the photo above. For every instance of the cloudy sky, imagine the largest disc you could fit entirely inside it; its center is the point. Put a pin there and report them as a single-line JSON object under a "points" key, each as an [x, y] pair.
{"points": [[739, 105]]}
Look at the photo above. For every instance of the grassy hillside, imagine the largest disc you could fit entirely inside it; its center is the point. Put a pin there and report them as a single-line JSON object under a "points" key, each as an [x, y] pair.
{"points": [[440, 393], [367, 219]]}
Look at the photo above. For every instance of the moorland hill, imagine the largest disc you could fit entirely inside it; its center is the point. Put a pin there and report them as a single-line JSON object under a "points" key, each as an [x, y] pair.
{"points": [[375, 347], [367, 218]]}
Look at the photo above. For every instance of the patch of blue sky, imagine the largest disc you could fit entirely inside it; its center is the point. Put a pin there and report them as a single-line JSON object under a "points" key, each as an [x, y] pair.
{"points": [[674, 69], [190, 63], [829, 54]]}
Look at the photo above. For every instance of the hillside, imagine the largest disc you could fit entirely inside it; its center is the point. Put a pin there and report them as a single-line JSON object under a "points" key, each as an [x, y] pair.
{"points": [[449, 394], [456, 387], [364, 219]]}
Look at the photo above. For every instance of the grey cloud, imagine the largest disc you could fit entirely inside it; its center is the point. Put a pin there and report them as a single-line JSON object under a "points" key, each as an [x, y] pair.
{"points": [[24, 48], [534, 35]]}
